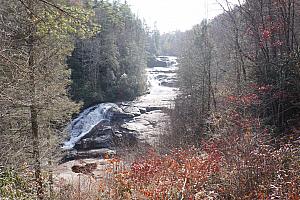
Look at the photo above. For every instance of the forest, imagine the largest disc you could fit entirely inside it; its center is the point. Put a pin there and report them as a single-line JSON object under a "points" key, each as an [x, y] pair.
{"points": [[232, 130]]}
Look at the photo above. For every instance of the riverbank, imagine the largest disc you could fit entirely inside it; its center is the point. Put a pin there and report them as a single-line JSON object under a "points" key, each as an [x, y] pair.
{"points": [[117, 130]]}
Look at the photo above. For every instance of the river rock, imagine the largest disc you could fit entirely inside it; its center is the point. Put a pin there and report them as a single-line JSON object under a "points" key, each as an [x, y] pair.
{"points": [[102, 128], [98, 132], [168, 83], [161, 77], [104, 141], [143, 110], [155, 62], [101, 136], [95, 153], [153, 108], [117, 114], [132, 110], [122, 116]]}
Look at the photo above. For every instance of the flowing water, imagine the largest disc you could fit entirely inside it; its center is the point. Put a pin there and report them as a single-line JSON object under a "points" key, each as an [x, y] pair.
{"points": [[86, 121], [146, 125], [162, 94], [145, 117]]}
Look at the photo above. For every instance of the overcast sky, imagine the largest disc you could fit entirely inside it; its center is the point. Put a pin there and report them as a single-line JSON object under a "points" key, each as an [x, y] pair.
{"points": [[172, 15]]}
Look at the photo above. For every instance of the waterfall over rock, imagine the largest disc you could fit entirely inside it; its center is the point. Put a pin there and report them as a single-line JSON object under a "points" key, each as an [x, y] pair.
{"points": [[87, 120], [108, 125]]}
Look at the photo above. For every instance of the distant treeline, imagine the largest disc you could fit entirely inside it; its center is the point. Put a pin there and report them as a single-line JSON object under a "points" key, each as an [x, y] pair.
{"points": [[55, 55], [246, 60], [111, 65]]}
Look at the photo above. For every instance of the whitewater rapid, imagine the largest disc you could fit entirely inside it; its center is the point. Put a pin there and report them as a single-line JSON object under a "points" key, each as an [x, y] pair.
{"points": [[160, 95], [87, 120]]}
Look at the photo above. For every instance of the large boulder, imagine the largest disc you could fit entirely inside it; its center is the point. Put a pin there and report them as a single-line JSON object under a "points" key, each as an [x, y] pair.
{"points": [[154, 108], [117, 114], [100, 136], [169, 83], [154, 62], [104, 141], [132, 110], [95, 153], [142, 110]]}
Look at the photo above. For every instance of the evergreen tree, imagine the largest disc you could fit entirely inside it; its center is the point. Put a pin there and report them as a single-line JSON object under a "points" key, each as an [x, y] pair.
{"points": [[34, 79], [110, 67]]}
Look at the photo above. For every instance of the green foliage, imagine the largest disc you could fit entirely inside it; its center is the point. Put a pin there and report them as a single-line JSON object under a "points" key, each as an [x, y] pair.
{"points": [[171, 43], [36, 39], [153, 43], [70, 21], [110, 66], [13, 186]]}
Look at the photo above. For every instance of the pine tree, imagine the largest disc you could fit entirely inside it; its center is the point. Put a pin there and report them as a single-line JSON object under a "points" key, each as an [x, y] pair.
{"points": [[34, 98], [110, 67]]}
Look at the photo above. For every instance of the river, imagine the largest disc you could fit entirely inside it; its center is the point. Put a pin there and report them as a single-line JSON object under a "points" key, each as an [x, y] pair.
{"points": [[97, 128], [161, 96], [95, 131]]}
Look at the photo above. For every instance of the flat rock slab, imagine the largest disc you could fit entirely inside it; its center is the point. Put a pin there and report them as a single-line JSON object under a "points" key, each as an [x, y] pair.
{"points": [[132, 110], [148, 126], [95, 153]]}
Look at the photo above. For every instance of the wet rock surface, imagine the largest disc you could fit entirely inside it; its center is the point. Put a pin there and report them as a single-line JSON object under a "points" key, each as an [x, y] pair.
{"points": [[95, 153], [132, 110], [162, 61], [102, 129]]}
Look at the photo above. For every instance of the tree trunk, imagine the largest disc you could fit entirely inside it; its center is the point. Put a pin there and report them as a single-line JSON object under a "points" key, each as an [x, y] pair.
{"points": [[33, 108], [36, 151]]}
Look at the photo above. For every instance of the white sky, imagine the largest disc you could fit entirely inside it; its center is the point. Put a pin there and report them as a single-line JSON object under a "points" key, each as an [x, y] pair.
{"points": [[172, 15]]}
